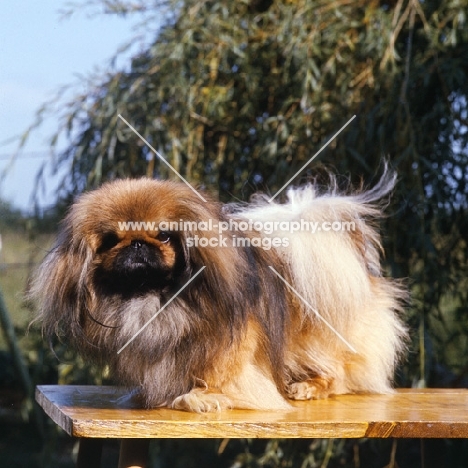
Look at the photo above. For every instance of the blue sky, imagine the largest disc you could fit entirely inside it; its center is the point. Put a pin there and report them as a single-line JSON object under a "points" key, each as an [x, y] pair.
{"points": [[40, 52]]}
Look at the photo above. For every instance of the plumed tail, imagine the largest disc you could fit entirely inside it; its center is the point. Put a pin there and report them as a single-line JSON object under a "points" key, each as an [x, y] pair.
{"points": [[381, 190], [335, 266]]}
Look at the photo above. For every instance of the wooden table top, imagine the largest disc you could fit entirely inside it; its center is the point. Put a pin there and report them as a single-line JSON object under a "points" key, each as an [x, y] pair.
{"points": [[92, 411]]}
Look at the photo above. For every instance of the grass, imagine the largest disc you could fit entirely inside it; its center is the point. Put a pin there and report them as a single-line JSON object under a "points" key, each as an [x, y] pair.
{"points": [[20, 254], [20, 443]]}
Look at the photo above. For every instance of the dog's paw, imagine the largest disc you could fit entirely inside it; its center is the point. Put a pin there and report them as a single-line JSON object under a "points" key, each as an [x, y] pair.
{"points": [[311, 389], [200, 401]]}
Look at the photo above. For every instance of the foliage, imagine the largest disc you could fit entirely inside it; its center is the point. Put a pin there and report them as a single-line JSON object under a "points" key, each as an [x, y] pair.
{"points": [[239, 95], [10, 217]]}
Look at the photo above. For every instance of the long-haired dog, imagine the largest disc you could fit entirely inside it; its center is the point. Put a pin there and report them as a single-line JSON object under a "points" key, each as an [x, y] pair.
{"points": [[204, 307]]}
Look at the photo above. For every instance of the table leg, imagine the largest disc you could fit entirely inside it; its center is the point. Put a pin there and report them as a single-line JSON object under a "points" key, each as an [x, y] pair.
{"points": [[133, 453], [89, 453]]}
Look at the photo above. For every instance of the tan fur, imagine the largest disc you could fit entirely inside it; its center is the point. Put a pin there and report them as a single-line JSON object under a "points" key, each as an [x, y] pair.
{"points": [[237, 336]]}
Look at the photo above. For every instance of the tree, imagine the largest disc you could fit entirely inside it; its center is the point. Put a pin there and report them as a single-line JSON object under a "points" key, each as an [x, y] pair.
{"points": [[239, 95], [10, 217]]}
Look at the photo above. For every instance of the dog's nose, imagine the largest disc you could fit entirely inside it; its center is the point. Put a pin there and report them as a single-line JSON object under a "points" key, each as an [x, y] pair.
{"points": [[137, 244]]}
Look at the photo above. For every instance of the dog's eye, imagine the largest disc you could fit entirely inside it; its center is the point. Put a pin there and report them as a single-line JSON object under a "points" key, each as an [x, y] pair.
{"points": [[163, 237], [108, 241]]}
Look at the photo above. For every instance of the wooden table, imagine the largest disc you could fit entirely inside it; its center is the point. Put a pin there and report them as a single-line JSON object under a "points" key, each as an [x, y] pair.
{"points": [[94, 413]]}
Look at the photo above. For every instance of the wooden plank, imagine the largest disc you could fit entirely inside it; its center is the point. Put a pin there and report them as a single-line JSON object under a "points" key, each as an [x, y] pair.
{"points": [[107, 412]]}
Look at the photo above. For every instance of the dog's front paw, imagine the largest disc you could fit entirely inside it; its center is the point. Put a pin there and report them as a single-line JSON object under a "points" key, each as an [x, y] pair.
{"points": [[200, 401], [310, 389]]}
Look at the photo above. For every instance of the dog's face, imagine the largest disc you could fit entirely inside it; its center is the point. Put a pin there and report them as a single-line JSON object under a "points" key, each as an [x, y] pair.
{"points": [[138, 260], [100, 243], [129, 252]]}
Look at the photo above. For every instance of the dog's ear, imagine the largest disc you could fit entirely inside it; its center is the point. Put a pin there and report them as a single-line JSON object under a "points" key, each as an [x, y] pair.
{"points": [[60, 286]]}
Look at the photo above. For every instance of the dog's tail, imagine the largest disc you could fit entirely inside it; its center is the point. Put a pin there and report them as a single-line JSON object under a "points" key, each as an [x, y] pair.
{"points": [[331, 242]]}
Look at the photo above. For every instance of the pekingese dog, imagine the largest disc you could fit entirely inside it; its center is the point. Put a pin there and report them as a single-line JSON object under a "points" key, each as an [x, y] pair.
{"points": [[204, 307]]}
